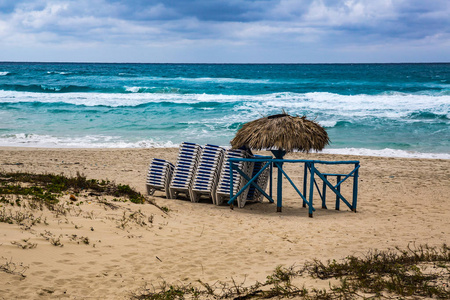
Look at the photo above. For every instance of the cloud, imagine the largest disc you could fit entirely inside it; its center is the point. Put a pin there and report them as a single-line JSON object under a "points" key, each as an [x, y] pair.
{"points": [[268, 24]]}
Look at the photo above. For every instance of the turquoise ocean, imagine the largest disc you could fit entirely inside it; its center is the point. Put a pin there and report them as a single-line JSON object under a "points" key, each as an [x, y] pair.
{"points": [[368, 109]]}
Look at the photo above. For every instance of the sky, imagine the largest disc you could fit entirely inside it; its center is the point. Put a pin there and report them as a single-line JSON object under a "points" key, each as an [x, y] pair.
{"points": [[225, 31]]}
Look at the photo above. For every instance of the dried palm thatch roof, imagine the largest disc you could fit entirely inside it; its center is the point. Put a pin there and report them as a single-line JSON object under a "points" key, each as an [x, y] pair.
{"points": [[283, 132]]}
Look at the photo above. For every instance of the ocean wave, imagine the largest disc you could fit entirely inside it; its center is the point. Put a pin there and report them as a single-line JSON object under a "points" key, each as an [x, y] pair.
{"points": [[426, 115], [40, 88], [115, 100], [224, 80], [332, 107], [127, 74], [4, 73], [111, 91], [153, 90], [90, 141], [340, 124], [58, 73], [204, 79], [138, 89]]}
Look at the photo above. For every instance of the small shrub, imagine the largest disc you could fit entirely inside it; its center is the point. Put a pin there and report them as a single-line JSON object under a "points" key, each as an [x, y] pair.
{"points": [[13, 268], [24, 244], [165, 209]]}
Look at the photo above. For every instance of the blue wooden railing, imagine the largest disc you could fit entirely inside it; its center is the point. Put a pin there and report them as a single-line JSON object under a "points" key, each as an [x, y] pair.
{"points": [[309, 167]]}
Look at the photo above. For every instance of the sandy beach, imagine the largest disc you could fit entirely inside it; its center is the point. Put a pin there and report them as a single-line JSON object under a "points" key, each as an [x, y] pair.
{"points": [[103, 256]]}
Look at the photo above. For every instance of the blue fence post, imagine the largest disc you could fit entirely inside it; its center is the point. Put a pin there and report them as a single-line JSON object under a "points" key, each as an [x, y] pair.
{"points": [[338, 206], [355, 187], [271, 180], [279, 187], [279, 155], [324, 194], [311, 190], [305, 181]]}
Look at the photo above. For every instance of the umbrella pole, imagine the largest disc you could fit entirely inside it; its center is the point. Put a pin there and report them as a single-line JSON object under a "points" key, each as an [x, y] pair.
{"points": [[279, 154]]}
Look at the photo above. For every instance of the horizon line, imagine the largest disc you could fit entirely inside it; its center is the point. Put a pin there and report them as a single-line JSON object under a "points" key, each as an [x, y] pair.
{"points": [[229, 63]]}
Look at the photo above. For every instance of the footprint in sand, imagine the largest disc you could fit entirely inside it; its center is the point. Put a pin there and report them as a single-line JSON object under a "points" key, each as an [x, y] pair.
{"points": [[128, 255], [93, 251], [61, 282], [38, 273], [66, 262], [49, 278]]}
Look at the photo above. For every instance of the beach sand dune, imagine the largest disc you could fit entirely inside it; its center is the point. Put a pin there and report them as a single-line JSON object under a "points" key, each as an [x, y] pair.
{"points": [[108, 253]]}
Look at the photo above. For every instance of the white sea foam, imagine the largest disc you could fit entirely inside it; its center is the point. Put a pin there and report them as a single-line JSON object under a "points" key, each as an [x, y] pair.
{"points": [[386, 153], [114, 100], [90, 141], [392, 106], [133, 89], [213, 80], [327, 123], [59, 73], [4, 73]]}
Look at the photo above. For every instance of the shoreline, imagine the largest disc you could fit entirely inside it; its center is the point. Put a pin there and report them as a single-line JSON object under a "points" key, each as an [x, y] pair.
{"points": [[356, 152], [401, 202]]}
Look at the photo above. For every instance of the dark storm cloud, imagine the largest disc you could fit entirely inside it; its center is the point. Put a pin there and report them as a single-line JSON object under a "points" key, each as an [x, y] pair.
{"points": [[398, 16], [270, 24]]}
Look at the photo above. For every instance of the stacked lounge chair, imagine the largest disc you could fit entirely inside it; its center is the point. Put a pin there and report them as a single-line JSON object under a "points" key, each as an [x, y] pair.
{"points": [[185, 168], [159, 176], [223, 186], [201, 172], [253, 193], [207, 173]]}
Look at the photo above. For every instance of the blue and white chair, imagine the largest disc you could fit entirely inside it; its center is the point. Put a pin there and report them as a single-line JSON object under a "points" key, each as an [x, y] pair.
{"points": [[223, 186], [207, 172], [159, 176], [185, 168]]}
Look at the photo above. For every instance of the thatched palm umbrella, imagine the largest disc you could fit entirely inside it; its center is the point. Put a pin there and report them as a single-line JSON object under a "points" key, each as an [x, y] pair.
{"points": [[281, 133]]}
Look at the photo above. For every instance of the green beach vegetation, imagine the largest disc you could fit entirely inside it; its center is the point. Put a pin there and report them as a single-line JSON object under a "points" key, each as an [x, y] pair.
{"points": [[45, 191], [46, 188], [420, 272]]}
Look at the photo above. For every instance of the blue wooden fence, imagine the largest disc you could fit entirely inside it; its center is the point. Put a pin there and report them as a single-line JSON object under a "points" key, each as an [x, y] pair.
{"points": [[310, 171]]}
